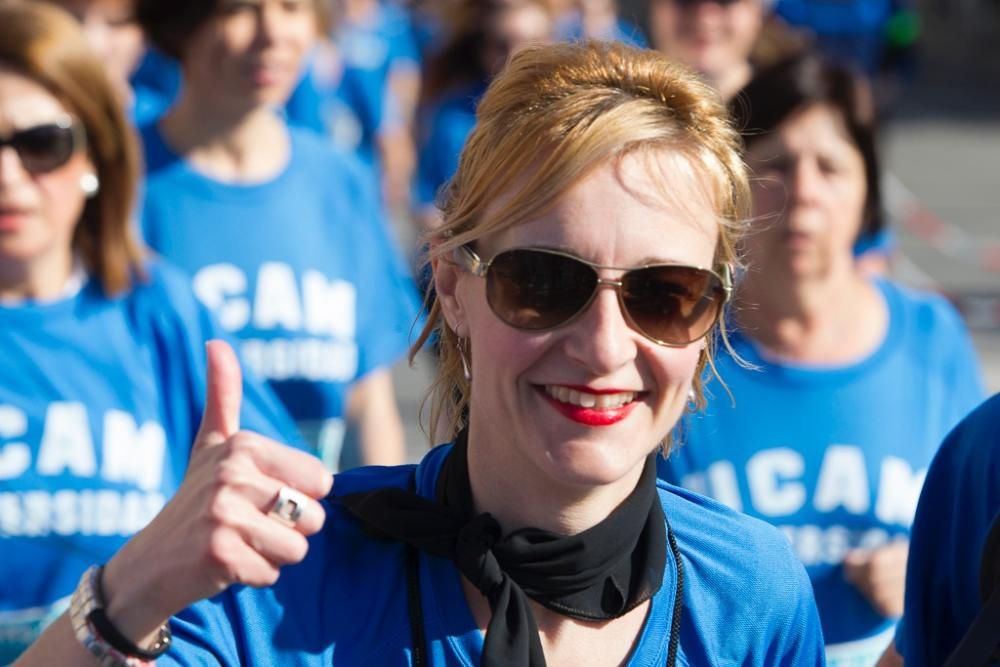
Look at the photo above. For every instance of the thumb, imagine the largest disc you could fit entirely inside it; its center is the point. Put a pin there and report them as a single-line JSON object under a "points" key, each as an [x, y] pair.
{"points": [[224, 394]]}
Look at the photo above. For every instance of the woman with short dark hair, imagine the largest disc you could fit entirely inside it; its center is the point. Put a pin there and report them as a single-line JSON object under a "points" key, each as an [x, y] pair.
{"points": [[841, 386]]}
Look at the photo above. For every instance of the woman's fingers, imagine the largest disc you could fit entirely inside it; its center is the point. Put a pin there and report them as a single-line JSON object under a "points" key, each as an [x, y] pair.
{"points": [[257, 468], [880, 575], [299, 470], [238, 482]]}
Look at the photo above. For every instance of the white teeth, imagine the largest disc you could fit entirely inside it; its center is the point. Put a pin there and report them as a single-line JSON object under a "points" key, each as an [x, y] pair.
{"points": [[588, 400]]}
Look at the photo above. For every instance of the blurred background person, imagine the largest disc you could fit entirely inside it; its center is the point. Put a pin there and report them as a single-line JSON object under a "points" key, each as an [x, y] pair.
{"points": [[716, 38], [953, 574], [483, 36], [596, 19], [840, 387], [146, 80], [361, 89], [726, 41], [875, 37], [103, 364], [281, 232]]}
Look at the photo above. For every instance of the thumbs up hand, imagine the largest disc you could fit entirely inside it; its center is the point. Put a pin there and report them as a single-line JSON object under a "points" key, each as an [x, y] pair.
{"points": [[219, 528]]}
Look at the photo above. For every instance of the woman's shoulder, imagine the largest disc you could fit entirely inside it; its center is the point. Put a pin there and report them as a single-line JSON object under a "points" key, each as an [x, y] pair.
{"points": [[747, 597], [970, 449], [312, 149], [924, 310], [162, 305], [164, 286], [732, 548]]}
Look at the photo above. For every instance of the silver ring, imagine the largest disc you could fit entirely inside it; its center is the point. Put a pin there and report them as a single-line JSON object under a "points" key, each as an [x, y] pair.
{"points": [[288, 506]]}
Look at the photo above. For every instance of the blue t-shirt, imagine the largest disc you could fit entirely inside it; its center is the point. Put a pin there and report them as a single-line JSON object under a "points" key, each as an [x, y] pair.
{"points": [[746, 599], [100, 400], [448, 123], [570, 28], [959, 503], [835, 457], [345, 91], [882, 242], [155, 84], [853, 32], [301, 268]]}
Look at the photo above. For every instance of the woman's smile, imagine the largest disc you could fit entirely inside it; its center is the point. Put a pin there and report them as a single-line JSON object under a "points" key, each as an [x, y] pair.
{"points": [[593, 407]]}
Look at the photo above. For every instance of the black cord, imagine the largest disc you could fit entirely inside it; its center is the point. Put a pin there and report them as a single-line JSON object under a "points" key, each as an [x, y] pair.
{"points": [[675, 621], [418, 639]]}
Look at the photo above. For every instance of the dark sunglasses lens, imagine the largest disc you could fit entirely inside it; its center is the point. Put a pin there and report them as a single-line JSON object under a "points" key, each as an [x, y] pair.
{"points": [[672, 304], [529, 289], [44, 148]]}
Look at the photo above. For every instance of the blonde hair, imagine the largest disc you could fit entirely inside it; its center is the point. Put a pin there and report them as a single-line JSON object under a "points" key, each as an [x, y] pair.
{"points": [[45, 44], [557, 112]]}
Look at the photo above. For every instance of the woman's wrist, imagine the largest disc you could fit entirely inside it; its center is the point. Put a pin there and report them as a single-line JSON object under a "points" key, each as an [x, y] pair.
{"points": [[127, 603], [99, 636]]}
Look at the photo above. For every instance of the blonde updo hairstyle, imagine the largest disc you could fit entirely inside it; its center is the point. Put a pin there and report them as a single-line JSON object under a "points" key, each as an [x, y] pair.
{"points": [[555, 113]]}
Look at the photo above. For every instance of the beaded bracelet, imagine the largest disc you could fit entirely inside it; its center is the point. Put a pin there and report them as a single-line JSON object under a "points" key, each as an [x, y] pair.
{"points": [[99, 636]]}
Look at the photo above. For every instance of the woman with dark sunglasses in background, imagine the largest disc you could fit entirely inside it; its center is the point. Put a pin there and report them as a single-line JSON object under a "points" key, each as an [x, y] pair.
{"points": [[102, 363], [580, 283], [853, 382]]}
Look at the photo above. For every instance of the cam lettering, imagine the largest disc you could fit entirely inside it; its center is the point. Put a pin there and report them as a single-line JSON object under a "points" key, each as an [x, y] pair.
{"points": [[281, 300], [775, 486], [130, 453], [15, 457]]}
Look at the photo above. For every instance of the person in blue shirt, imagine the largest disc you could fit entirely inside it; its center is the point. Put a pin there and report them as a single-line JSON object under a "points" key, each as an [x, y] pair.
{"points": [[102, 360], [577, 304], [361, 88], [959, 505], [861, 34], [281, 233], [146, 81], [836, 388], [483, 36], [596, 19]]}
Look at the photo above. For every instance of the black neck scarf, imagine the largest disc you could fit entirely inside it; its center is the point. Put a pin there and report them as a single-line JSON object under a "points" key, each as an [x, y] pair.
{"points": [[599, 574]]}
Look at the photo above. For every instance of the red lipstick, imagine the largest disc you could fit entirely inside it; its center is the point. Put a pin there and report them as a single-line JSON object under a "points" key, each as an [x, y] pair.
{"points": [[592, 416]]}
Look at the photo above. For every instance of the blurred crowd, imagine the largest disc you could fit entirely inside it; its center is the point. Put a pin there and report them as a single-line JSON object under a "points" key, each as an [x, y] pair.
{"points": [[254, 170]]}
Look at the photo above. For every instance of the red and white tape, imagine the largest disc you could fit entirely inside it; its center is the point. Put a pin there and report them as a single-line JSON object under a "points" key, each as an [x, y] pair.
{"points": [[981, 309]]}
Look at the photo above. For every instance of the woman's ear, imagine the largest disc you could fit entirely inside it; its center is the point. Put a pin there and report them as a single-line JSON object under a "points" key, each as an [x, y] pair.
{"points": [[446, 281]]}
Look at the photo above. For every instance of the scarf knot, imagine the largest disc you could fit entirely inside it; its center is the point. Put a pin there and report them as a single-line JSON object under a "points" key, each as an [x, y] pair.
{"points": [[474, 554], [598, 574]]}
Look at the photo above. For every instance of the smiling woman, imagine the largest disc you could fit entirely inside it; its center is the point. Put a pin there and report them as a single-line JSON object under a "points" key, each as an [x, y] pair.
{"points": [[580, 272]]}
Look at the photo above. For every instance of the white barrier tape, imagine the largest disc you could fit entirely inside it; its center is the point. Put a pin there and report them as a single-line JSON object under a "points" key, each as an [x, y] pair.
{"points": [[906, 210]]}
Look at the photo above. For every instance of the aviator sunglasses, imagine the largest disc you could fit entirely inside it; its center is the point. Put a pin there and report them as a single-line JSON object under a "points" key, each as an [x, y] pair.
{"points": [[537, 289], [44, 148]]}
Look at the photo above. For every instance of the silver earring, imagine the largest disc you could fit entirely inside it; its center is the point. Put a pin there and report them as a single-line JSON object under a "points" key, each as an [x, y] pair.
{"points": [[90, 184], [691, 395], [465, 361]]}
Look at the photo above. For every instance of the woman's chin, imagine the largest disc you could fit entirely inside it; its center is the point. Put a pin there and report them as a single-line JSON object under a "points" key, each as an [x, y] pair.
{"points": [[589, 464]]}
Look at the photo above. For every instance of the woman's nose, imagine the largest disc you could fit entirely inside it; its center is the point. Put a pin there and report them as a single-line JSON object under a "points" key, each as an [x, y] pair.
{"points": [[601, 338]]}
